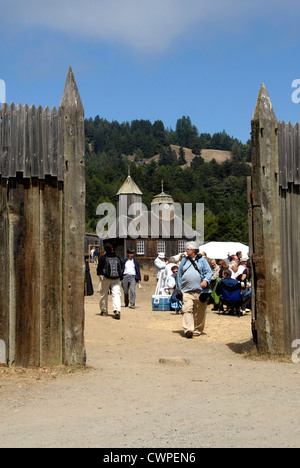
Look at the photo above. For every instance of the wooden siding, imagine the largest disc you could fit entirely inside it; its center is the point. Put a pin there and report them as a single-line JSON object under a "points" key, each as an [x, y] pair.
{"points": [[289, 191], [274, 221], [42, 206], [31, 142]]}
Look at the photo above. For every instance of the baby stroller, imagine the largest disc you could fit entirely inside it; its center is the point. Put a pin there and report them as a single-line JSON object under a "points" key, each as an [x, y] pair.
{"points": [[176, 301]]}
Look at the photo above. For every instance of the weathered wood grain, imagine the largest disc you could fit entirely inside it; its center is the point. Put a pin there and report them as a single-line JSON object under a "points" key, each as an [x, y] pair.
{"points": [[5, 140], [26, 257], [74, 223], [266, 227], [42, 219], [4, 266], [275, 218], [51, 238]]}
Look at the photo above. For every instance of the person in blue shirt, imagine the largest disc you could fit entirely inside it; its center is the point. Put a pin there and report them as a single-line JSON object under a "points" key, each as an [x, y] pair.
{"points": [[193, 280]]}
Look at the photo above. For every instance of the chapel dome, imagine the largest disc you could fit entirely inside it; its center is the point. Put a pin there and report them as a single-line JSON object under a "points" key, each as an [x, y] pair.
{"points": [[162, 198]]}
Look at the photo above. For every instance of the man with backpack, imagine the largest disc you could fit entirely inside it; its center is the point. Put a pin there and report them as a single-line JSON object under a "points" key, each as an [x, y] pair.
{"points": [[111, 273]]}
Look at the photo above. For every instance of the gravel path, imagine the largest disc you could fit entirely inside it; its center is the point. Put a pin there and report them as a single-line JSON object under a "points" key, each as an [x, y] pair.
{"points": [[148, 386]]}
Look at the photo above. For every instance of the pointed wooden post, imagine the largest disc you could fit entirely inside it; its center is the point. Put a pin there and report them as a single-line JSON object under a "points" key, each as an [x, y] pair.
{"points": [[267, 281], [74, 224]]}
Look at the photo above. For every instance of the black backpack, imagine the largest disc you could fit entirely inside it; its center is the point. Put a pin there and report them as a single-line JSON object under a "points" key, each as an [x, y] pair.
{"points": [[112, 268]]}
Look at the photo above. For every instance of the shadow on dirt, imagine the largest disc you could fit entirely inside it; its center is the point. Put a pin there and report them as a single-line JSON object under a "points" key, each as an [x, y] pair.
{"points": [[241, 348]]}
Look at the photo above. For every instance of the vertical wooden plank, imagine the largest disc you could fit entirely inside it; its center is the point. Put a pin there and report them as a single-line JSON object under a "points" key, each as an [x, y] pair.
{"points": [[15, 197], [1, 152], [290, 152], [287, 266], [296, 258], [74, 223], [5, 140], [4, 267], [292, 257], [54, 142], [33, 141], [48, 141], [41, 142], [20, 143], [266, 227], [296, 272], [26, 155], [282, 155], [13, 141], [251, 256], [284, 219], [297, 154], [27, 258], [60, 155], [51, 219]]}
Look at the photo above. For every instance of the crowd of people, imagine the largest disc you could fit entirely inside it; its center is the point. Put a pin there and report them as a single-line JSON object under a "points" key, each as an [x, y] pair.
{"points": [[198, 280]]}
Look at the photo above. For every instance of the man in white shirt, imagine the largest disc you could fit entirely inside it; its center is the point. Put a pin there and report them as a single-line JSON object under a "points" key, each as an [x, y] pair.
{"points": [[242, 268], [171, 279], [234, 268], [132, 275]]}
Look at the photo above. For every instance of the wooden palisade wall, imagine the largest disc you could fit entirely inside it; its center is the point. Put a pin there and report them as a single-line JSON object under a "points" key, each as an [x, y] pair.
{"points": [[42, 203], [274, 223], [289, 192]]}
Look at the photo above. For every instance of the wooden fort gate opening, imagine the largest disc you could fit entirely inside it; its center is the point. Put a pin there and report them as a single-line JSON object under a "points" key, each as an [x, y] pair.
{"points": [[42, 226], [274, 221]]}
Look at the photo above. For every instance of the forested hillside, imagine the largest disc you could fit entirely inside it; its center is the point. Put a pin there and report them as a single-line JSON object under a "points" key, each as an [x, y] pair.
{"points": [[221, 187]]}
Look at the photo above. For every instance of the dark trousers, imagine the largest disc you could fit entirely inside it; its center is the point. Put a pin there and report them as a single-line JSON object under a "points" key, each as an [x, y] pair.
{"points": [[128, 284]]}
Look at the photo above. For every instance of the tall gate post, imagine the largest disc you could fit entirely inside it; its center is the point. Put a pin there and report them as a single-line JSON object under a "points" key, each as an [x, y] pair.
{"points": [[265, 217], [74, 223]]}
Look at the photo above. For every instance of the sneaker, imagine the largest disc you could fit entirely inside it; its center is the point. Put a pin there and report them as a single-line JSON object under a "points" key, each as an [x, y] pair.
{"points": [[197, 333], [189, 334], [132, 307], [104, 313], [117, 314]]}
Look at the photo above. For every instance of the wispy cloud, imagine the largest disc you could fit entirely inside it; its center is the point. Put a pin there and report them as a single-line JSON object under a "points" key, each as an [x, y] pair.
{"points": [[143, 25]]}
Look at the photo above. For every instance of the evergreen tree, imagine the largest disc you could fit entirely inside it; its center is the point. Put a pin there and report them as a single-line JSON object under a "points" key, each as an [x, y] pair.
{"points": [[181, 159], [186, 132], [236, 152]]}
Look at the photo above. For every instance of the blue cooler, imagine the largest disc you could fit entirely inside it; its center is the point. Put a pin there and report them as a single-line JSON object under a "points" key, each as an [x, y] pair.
{"points": [[161, 302]]}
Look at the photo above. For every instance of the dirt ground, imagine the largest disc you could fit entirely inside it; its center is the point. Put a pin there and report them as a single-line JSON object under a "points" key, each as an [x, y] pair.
{"points": [[147, 386]]}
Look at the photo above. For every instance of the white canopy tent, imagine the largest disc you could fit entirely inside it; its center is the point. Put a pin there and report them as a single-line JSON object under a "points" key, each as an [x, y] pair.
{"points": [[220, 250]]}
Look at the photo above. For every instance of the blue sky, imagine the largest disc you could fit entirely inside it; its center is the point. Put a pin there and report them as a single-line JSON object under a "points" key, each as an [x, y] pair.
{"points": [[155, 59]]}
